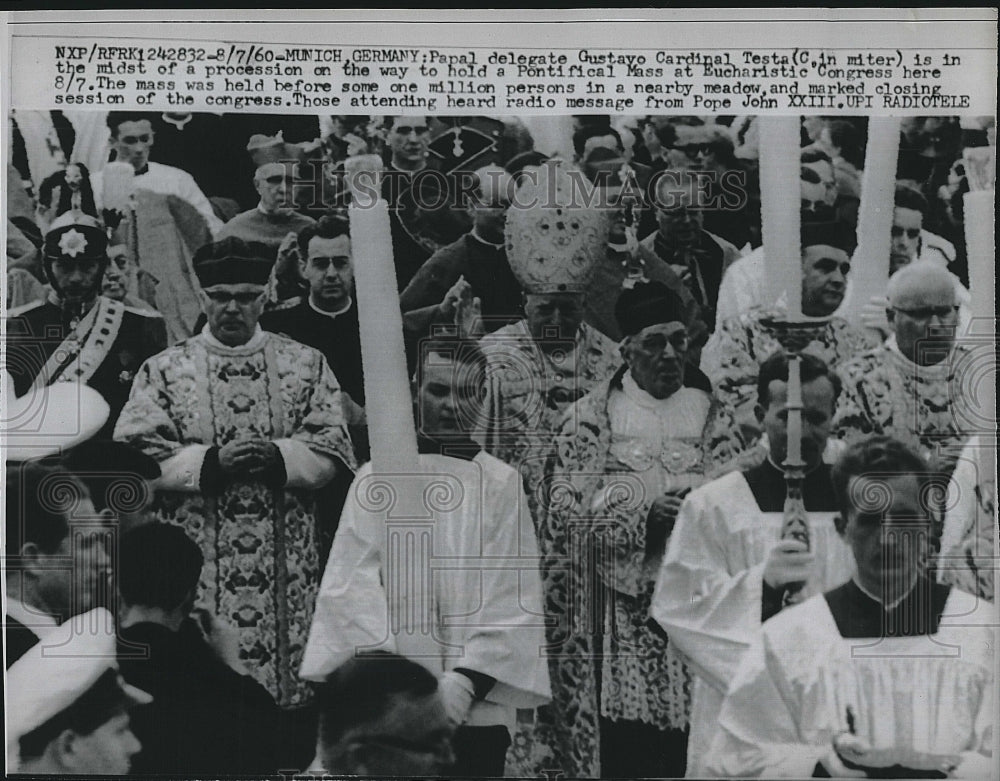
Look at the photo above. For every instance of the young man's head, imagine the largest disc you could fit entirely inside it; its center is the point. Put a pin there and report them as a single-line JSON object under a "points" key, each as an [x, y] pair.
{"points": [[381, 714], [449, 384], [909, 209], [57, 540], [409, 140], [889, 501], [69, 711], [325, 262], [159, 567], [820, 389], [923, 313], [131, 137], [826, 261]]}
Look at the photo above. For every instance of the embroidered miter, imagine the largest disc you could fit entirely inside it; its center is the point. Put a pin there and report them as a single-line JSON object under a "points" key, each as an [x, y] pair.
{"points": [[233, 261], [555, 231]]}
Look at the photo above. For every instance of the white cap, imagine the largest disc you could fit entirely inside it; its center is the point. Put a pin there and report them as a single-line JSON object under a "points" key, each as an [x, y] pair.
{"points": [[57, 671], [49, 418]]}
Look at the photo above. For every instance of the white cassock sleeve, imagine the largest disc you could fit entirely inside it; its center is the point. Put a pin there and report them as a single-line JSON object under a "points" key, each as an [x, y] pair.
{"points": [[710, 614], [350, 610], [758, 735], [506, 637]]}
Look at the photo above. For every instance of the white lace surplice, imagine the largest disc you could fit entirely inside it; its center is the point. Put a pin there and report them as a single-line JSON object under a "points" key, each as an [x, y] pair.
{"points": [[909, 696]]}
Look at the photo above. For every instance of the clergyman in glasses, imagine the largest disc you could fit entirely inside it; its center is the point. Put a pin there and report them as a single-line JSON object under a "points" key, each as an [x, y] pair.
{"points": [[247, 426]]}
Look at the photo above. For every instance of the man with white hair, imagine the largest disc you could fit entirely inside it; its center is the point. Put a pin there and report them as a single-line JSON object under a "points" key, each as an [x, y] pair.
{"points": [[910, 386]]}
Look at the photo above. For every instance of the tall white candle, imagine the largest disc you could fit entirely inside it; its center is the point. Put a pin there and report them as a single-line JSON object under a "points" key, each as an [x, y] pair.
{"points": [[391, 427], [780, 203], [870, 266]]}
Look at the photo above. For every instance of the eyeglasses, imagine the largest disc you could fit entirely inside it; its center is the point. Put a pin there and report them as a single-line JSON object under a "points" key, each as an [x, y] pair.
{"points": [[925, 313], [813, 206], [242, 298], [910, 232], [143, 139], [405, 130], [693, 150]]}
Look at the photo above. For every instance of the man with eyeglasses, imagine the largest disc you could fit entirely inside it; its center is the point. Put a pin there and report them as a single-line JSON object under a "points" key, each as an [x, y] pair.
{"points": [[247, 426], [132, 139], [909, 243], [623, 457], [76, 334], [274, 216], [914, 386]]}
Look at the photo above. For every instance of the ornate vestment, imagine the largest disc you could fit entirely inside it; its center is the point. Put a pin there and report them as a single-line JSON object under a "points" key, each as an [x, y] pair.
{"points": [[599, 485], [528, 390], [262, 564], [733, 357], [925, 406]]}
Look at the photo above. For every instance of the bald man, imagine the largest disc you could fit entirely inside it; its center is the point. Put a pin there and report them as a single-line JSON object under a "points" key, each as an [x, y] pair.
{"points": [[912, 387], [476, 263]]}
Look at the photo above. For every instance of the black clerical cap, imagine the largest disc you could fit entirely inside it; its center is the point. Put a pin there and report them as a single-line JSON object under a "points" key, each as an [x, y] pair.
{"points": [[646, 304], [233, 261], [833, 234]]}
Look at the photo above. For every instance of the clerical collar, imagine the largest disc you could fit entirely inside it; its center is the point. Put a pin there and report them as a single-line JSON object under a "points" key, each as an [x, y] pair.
{"points": [[484, 242], [460, 447], [143, 170], [333, 314], [177, 123], [643, 398], [887, 606], [254, 343]]}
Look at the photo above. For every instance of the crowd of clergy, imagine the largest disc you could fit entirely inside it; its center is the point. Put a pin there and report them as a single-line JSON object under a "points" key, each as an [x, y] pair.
{"points": [[591, 565]]}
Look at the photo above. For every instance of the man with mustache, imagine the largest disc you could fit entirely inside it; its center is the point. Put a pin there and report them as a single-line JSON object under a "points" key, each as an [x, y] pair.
{"points": [[726, 567], [889, 675], [76, 334], [733, 355]]}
